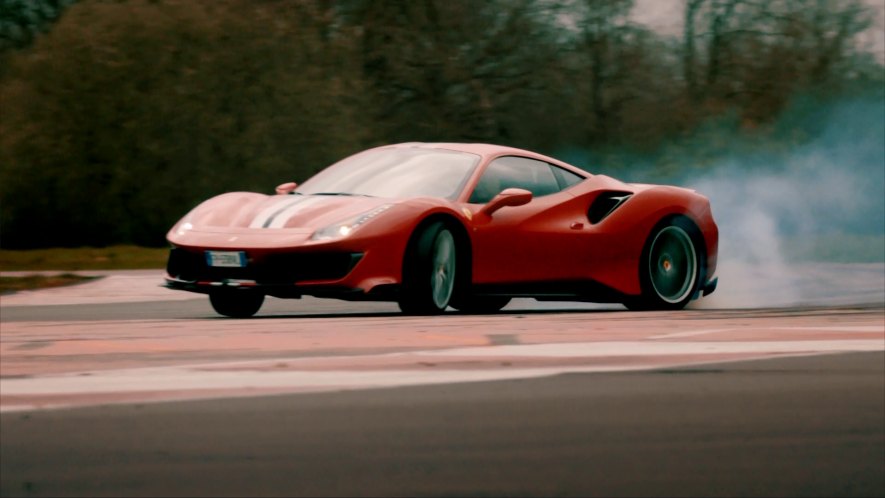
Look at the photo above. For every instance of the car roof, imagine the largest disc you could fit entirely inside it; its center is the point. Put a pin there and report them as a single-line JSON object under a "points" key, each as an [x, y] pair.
{"points": [[484, 150]]}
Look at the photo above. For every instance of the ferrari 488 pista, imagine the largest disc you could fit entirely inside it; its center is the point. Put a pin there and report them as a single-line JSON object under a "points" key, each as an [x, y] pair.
{"points": [[438, 225]]}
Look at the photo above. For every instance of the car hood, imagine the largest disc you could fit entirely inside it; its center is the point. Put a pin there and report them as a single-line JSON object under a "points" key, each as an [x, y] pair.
{"points": [[243, 211]]}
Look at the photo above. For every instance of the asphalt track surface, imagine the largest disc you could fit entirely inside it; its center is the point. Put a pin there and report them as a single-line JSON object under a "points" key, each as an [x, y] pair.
{"points": [[119, 391]]}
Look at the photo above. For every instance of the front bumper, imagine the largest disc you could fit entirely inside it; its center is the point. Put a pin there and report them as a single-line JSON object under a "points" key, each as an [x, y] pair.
{"points": [[336, 272], [264, 268]]}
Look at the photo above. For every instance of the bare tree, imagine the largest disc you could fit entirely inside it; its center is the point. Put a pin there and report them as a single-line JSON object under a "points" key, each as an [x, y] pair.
{"points": [[603, 30], [689, 50], [443, 69]]}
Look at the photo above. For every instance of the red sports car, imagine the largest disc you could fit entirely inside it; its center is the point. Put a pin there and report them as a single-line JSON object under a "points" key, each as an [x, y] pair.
{"points": [[433, 225]]}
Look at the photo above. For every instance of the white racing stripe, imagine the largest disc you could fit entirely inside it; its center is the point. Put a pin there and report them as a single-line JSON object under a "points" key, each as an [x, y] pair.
{"points": [[275, 207], [280, 220]]}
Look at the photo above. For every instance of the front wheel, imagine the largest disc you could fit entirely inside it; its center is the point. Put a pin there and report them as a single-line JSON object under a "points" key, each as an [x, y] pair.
{"points": [[481, 304], [669, 267], [236, 304], [429, 271]]}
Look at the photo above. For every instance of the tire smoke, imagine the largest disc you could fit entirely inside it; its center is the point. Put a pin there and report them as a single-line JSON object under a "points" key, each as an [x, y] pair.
{"points": [[804, 227]]}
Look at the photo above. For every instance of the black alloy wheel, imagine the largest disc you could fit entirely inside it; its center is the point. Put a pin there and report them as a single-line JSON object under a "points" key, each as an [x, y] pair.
{"points": [[429, 271], [236, 303], [670, 267]]}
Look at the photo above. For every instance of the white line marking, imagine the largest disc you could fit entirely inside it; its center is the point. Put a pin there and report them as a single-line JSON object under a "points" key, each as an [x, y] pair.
{"points": [[184, 378], [691, 333], [641, 348], [839, 328]]}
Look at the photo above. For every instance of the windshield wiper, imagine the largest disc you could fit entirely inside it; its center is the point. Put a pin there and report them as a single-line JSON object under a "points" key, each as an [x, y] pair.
{"points": [[341, 193]]}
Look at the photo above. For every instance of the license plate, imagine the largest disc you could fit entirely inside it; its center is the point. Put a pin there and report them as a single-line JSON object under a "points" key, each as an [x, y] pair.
{"points": [[229, 259]]}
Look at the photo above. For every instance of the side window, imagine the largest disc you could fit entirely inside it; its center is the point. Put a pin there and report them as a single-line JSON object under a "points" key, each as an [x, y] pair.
{"points": [[566, 178], [507, 172]]}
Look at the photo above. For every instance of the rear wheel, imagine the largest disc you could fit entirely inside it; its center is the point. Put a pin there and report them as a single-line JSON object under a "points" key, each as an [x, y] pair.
{"points": [[669, 267], [236, 304], [429, 271]]}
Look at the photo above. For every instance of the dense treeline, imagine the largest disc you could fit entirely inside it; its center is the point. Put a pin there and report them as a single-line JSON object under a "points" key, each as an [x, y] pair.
{"points": [[22, 20], [127, 113]]}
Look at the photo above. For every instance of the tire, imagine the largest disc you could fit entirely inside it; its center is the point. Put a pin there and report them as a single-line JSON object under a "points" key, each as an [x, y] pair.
{"points": [[481, 304], [429, 271], [670, 268], [236, 304]]}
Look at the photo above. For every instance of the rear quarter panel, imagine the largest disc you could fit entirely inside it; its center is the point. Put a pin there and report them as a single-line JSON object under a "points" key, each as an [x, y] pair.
{"points": [[613, 247]]}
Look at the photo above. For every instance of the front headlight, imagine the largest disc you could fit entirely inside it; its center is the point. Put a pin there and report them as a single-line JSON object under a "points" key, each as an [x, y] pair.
{"points": [[344, 228], [183, 228]]}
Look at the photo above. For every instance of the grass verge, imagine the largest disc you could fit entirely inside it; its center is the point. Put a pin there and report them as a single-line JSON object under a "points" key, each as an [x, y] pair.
{"points": [[84, 258], [76, 259], [11, 285]]}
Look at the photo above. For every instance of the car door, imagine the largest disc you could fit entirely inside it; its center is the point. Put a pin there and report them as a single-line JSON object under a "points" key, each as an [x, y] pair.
{"points": [[531, 243]]}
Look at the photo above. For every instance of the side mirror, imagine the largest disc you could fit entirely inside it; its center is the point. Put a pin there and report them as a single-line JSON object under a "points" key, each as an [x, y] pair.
{"points": [[508, 197], [286, 188]]}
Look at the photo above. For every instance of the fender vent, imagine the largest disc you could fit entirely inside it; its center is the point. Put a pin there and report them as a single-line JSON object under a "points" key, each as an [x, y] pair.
{"points": [[605, 204]]}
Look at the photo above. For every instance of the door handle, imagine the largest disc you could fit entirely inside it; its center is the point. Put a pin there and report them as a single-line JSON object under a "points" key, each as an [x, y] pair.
{"points": [[576, 225]]}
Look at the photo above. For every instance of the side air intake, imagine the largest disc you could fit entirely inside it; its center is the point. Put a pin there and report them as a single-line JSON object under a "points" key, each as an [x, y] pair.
{"points": [[605, 204]]}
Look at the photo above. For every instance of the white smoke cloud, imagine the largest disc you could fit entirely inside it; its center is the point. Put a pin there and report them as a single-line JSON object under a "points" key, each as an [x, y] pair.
{"points": [[827, 196]]}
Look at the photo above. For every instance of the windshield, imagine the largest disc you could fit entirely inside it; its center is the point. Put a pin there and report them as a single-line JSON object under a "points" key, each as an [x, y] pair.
{"points": [[396, 173]]}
